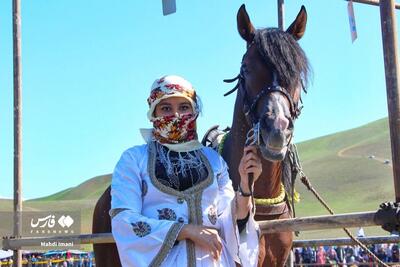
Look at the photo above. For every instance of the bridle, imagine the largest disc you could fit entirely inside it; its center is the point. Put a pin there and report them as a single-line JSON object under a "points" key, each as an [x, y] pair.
{"points": [[249, 105]]}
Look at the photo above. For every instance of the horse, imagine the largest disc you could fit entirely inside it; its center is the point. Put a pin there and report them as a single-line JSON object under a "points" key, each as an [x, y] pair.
{"points": [[273, 73], [274, 70]]}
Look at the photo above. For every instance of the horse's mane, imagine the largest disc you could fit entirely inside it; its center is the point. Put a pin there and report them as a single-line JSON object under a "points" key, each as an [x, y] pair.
{"points": [[284, 55]]}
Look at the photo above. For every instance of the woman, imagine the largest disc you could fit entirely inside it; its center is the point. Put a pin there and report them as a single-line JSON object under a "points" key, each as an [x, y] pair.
{"points": [[172, 200]]}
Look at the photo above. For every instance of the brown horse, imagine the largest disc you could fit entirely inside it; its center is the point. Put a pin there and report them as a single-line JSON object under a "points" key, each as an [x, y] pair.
{"points": [[273, 71]]}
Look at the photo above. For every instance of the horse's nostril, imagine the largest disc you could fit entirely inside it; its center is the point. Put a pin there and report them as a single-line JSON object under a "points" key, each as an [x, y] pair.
{"points": [[281, 123]]}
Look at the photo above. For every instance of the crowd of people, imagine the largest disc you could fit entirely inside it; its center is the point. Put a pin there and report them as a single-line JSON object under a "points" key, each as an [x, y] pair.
{"points": [[345, 255], [61, 259]]}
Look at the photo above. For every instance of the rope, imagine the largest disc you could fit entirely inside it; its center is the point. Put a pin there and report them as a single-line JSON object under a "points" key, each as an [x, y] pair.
{"points": [[307, 183], [272, 201]]}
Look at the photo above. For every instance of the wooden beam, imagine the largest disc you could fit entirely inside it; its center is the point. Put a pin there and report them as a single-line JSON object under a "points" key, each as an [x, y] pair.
{"points": [[346, 241], [17, 69], [297, 224], [357, 219], [372, 2], [392, 71]]}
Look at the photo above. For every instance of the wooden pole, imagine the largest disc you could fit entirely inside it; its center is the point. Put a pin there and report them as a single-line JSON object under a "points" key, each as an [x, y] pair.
{"points": [[281, 15], [16, 17], [372, 2], [390, 54]]}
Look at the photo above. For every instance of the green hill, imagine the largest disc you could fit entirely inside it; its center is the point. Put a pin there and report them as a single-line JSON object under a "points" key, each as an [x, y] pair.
{"points": [[90, 189], [347, 168]]}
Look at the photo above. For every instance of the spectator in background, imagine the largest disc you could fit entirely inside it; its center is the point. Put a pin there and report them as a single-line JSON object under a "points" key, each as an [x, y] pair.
{"points": [[388, 249], [321, 256], [349, 251], [307, 255], [297, 256], [363, 258], [332, 257], [340, 253], [382, 254], [395, 253], [34, 260]]}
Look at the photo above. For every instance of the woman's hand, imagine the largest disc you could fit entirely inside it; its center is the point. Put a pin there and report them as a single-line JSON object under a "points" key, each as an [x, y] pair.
{"points": [[250, 163], [204, 237]]}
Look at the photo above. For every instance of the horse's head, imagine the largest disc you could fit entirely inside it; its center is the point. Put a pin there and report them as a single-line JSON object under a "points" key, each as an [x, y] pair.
{"points": [[274, 70]]}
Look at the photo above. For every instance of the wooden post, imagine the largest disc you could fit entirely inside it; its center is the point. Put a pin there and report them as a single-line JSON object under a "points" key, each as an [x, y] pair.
{"points": [[16, 17], [281, 15], [390, 54]]}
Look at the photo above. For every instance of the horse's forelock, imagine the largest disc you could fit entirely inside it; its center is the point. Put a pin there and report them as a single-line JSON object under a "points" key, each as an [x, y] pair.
{"points": [[284, 55]]}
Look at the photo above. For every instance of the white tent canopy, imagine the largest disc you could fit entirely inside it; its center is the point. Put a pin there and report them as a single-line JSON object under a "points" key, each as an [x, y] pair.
{"points": [[5, 254]]}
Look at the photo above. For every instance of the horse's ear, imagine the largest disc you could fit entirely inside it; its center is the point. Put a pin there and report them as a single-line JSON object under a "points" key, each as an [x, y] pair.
{"points": [[298, 27], [245, 28]]}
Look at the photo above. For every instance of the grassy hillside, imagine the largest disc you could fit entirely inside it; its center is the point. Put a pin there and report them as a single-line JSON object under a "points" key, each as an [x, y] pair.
{"points": [[90, 189], [339, 166]]}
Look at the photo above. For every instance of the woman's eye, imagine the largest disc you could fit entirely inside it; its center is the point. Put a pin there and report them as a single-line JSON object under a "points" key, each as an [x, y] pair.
{"points": [[185, 107], [165, 108]]}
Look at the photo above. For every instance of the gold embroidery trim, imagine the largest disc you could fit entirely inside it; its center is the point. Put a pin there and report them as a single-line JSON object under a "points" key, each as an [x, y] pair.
{"points": [[192, 196], [167, 245]]}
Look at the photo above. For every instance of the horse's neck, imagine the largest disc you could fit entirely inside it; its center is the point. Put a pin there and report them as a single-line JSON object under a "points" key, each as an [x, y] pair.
{"points": [[268, 185], [234, 143]]}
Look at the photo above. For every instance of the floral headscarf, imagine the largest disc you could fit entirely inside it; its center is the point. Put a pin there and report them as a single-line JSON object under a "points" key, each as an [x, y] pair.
{"points": [[177, 132], [170, 86]]}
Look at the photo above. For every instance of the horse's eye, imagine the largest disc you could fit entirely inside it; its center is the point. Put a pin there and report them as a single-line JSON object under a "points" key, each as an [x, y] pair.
{"points": [[245, 70], [291, 124]]}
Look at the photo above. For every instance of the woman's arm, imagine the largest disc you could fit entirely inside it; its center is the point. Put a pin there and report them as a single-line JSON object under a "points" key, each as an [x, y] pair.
{"points": [[205, 237], [141, 241], [250, 163]]}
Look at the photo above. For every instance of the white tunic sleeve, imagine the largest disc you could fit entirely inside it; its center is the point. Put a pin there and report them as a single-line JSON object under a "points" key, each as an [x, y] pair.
{"points": [[141, 241], [243, 247]]}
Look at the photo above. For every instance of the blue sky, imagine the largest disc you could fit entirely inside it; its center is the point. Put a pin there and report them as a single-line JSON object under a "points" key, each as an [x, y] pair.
{"points": [[88, 66]]}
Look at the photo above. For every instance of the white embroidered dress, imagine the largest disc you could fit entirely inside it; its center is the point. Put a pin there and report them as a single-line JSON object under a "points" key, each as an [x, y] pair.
{"points": [[147, 215]]}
